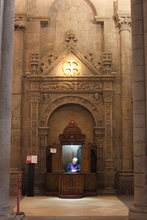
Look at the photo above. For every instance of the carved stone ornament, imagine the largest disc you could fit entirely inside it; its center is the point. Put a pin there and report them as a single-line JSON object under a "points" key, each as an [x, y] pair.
{"points": [[45, 98], [70, 38], [98, 97], [108, 97], [72, 134], [95, 63], [19, 23], [124, 22], [107, 63], [71, 86], [35, 66], [52, 56], [71, 68]]}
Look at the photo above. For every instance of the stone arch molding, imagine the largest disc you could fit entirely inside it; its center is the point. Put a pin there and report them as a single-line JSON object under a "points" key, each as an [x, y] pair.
{"points": [[56, 7], [70, 100]]}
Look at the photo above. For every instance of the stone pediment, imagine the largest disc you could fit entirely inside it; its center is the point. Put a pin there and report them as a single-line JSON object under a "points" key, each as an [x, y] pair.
{"points": [[86, 65], [72, 61]]}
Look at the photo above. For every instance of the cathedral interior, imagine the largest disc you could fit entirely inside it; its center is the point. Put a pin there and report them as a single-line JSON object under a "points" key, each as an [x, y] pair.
{"points": [[73, 85]]}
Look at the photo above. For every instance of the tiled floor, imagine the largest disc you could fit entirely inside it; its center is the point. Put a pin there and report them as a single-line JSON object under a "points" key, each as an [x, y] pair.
{"points": [[88, 208]]}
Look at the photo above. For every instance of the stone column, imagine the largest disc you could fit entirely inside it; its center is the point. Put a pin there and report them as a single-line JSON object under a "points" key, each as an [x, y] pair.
{"points": [[5, 104], [15, 165], [1, 22], [139, 37], [126, 174]]}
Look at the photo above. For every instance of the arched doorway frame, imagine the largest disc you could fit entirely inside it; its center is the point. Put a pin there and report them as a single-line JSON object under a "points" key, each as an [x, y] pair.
{"points": [[91, 107]]}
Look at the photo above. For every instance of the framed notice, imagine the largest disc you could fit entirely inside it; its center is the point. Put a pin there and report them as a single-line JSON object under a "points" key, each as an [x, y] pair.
{"points": [[53, 150], [31, 159]]}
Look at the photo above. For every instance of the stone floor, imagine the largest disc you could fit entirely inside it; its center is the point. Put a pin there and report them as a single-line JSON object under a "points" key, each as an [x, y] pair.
{"points": [[87, 208]]}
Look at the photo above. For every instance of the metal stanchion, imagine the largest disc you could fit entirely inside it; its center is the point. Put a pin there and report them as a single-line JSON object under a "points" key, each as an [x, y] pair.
{"points": [[18, 213]]}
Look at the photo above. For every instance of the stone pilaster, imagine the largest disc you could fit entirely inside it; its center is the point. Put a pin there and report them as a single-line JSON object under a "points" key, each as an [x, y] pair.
{"points": [[33, 145], [15, 171], [43, 142], [41, 165], [126, 173], [139, 37], [108, 151], [99, 133], [7, 7]]}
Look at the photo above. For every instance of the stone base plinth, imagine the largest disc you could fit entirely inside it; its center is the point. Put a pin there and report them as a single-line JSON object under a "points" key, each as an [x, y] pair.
{"points": [[6, 213], [109, 182], [138, 213], [14, 175], [125, 182]]}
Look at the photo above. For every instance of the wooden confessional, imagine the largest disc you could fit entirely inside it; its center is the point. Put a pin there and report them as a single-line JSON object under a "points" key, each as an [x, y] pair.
{"points": [[62, 183]]}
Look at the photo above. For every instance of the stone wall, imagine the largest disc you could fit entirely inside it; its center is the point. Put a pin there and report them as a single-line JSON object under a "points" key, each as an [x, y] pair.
{"points": [[99, 47]]}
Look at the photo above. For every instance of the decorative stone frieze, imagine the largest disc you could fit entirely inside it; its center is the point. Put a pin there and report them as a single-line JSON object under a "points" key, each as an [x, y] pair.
{"points": [[19, 23], [72, 86]]}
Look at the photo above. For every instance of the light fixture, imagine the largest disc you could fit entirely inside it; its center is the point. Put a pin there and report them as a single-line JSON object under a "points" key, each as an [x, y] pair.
{"points": [[71, 68]]}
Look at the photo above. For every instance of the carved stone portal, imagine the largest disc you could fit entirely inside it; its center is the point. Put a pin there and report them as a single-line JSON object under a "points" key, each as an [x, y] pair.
{"points": [[43, 94]]}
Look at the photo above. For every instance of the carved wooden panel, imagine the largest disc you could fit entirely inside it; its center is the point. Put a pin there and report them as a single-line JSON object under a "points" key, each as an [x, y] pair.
{"points": [[56, 159], [52, 183], [71, 184]]}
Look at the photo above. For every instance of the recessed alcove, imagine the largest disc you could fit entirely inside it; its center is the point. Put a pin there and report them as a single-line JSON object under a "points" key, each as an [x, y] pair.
{"points": [[62, 115]]}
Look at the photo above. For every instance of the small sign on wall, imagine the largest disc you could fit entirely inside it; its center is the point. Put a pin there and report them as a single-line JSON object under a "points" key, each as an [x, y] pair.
{"points": [[31, 159], [53, 150]]}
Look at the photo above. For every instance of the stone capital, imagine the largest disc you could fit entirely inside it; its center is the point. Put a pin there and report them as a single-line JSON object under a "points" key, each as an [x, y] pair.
{"points": [[99, 131], [34, 98], [123, 22], [43, 131], [19, 23], [107, 97]]}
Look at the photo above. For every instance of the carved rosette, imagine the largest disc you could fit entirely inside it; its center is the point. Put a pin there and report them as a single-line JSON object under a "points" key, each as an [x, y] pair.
{"points": [[123, 22], [19, 23]]}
